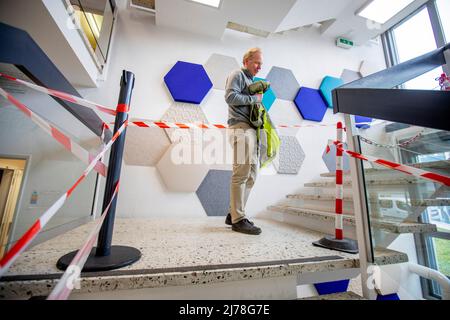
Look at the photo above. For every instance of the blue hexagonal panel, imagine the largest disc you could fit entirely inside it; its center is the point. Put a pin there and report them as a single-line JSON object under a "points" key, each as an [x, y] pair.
{"points": [[328, 85], [330, 158], [362, 122], [269, 97], [188, 82], [283, 83], [214, 192], [310, 104]]}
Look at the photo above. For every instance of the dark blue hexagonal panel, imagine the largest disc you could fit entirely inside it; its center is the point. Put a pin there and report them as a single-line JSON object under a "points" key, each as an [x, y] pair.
{"points": [[269, 96], [188, 82], [214, 192], [328, 85], [310, 104], [362, 122]]}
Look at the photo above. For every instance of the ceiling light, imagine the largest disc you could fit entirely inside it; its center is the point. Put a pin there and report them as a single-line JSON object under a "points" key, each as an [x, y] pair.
{"points": [[212, 3], [382, 10]]}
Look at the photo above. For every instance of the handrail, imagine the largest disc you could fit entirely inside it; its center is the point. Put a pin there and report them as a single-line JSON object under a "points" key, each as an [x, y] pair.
{"points": [[373, 97], [19, 49], [432, 274]]}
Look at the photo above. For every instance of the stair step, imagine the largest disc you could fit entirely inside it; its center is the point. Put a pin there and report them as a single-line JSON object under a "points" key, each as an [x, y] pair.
{"points": [[441, 202], [349, 295], [390, 225], [443, 164], [371, 181]]}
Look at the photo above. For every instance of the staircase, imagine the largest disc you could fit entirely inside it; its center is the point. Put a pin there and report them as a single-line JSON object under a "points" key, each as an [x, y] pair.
{"points": [[313, 206]]}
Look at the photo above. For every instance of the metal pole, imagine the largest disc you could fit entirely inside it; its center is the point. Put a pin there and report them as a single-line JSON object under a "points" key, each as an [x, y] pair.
{"points": [[115, 165], [106, 257]]}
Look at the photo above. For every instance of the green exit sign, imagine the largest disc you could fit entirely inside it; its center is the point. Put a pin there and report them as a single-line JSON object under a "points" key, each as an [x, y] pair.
{"points": [[344, 43]]}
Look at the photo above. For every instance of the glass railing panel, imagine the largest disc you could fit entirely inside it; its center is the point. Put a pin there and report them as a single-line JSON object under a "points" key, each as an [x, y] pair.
{"points": [[408, 213], [36, 169]]}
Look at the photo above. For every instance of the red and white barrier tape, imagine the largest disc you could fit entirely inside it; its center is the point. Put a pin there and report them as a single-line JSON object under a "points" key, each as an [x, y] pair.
{"points": [[63, 139], [32, 232], [435, 177], [339, 226], [62, 95], [63, 289], [168, 125]]}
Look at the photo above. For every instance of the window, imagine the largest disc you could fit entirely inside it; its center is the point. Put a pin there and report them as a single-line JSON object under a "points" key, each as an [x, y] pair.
{"points": [[413, 38], [443, 7]]}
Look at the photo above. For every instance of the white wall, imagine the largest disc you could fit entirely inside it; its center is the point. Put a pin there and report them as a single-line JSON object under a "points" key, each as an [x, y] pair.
{"points": [[150, 51]]}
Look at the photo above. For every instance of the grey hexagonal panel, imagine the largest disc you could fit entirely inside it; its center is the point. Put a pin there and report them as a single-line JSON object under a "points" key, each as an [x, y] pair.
{"points": [[218, 67], [349, 76], [283, 83], [214, 192], [291, 156], [145, 146], [330, 158], [183, 113]]}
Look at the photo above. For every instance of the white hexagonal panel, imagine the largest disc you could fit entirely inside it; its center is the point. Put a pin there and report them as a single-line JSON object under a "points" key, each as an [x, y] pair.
{"points": [[145, 146], [218, 67], [291, 156], [180, 169], [183, 113]]}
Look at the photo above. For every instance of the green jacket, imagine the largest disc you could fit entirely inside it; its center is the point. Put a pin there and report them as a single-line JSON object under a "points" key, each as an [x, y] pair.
{"points": [[267, 136]]}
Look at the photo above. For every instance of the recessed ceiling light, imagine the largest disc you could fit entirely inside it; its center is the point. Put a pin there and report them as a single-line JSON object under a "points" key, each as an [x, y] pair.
{"points": [[382, 10], [212, 3]]}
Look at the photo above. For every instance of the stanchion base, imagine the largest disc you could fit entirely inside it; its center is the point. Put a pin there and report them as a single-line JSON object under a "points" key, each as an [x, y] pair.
{"points": [[121, 256], [344, 245]]}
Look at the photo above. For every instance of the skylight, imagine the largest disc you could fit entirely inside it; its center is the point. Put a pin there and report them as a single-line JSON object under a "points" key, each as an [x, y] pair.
{"points": [[382, 10], [212, 3]]}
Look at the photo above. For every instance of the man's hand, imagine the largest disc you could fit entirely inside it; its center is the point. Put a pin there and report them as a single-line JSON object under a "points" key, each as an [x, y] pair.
{"points": [[259, 96]]}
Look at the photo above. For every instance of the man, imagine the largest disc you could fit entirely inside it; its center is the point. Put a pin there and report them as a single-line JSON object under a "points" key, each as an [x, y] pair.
{"points": [[243, 140]]}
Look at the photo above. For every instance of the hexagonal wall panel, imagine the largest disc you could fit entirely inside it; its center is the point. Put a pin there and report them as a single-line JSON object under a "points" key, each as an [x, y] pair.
{"points": [[218, 67], [361, 122], [179, 176], [310, 104], [291, 156], [328, 85], [349, 76], [285, 113], [368, 67], [183, 113], [145, 146], [188, 82], [283, 83], [269, 96], [330, 159], [214, 192]]}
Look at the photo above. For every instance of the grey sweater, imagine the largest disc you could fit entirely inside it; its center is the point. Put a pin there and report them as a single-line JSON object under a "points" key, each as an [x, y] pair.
{"points": [[237, 96]]}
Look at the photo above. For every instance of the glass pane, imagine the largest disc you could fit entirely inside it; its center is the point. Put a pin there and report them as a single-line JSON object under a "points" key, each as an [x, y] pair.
{"points": [[49, 170], [414, 38], [444, 14], [442, 252]]}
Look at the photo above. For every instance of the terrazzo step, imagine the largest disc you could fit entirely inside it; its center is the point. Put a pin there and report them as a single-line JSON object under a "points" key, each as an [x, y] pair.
{"points": [[179, 255], [369, 181], [445, 165], [349, 295], [440, 202], [389, 225]]}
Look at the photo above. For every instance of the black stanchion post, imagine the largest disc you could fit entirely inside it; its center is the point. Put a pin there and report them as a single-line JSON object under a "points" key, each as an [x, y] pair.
{"points": [[105, 256]]}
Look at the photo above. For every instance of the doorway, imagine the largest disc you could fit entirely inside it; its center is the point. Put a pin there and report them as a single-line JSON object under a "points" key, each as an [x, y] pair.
{"points": [[11, 176]]}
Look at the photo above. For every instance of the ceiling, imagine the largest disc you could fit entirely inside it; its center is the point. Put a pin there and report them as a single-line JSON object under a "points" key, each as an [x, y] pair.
{"points": [[337, 17]]}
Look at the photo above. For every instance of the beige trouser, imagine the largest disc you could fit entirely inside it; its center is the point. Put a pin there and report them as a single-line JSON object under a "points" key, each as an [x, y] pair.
{"points": [[245, 168]]}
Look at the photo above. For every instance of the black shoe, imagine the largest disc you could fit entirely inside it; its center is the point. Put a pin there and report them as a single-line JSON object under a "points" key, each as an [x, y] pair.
{"points": [[245, 226], [228, 220]]}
